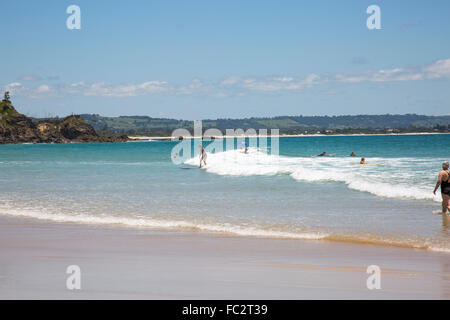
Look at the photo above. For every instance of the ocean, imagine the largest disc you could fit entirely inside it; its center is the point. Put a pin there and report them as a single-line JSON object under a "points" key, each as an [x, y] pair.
{"points": [[287, 195]]}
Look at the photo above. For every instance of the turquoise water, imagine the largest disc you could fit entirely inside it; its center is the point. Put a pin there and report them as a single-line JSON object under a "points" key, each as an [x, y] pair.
{"points": [[290, 195]]}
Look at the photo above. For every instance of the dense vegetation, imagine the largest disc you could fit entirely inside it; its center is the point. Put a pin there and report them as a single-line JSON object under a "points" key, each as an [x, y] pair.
{"points": [[143, 125]]}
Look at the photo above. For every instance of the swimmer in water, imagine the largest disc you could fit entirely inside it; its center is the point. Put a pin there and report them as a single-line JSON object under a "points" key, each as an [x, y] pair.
{"points": [[203, 156], [444, 182], [323, 154], [363, 162], [352, 154]]}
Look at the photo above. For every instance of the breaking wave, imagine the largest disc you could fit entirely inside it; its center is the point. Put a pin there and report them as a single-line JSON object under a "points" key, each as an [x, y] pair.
{"points": [[400, 178]]}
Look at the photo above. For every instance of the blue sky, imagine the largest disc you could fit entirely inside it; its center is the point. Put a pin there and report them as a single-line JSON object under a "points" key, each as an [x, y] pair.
{"points": [[210, 59]]}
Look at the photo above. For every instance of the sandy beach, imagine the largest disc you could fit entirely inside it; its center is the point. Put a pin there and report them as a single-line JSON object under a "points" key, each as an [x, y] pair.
{"points": [[125, 263]]}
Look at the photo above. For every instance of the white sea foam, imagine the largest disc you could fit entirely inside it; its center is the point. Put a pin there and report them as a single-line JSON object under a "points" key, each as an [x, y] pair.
{"points": [[398, 178], [225, 228], [145, 222], [439, 249]]}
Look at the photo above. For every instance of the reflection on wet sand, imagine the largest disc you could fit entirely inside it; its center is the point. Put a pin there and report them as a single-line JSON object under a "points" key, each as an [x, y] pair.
{"points": [[445, 222], [445, 265], [445, 276]]}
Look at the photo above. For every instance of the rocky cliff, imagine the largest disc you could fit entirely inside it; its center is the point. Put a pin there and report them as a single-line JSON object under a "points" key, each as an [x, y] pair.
{"points": [[18, 128]]}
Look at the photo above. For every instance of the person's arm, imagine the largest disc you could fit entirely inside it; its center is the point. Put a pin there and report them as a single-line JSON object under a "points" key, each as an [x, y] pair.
{"points": [[438, 183]]}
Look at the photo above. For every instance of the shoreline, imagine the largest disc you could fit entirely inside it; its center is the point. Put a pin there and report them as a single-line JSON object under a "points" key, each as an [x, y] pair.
{"points": [[129, 263], [170, 138], [233, 231], [289, 135]]}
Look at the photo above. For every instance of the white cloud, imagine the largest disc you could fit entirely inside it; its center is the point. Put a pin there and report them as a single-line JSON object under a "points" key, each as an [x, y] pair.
{"points": [[117, 91], [233, 85], [43, 89], [195, 87], [15, 88], [14, 85], [230, 81], [18, 89], [439, 69], [270, 84]]}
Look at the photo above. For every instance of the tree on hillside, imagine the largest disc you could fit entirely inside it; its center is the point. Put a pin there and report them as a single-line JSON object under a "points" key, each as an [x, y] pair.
{"points": [[6, 96]]}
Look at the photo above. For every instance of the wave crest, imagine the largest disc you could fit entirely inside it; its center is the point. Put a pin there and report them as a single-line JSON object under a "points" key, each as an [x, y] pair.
{"points": [[398, 178]]}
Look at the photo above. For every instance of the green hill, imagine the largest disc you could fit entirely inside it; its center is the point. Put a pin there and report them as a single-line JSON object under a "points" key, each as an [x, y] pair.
{"points": [[143, 125]]}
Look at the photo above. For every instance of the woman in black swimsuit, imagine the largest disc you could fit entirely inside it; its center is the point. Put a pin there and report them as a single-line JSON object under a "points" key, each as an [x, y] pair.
{"points": [[444, 182]]}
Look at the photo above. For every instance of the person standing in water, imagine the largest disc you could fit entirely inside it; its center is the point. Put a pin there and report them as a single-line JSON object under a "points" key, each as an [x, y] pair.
{"points": [[203, 156], [244, 146], [444, 182], [363, 161]]}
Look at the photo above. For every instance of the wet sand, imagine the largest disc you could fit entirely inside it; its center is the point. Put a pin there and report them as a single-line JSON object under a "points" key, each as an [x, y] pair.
{"points": [[126, 263]]}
